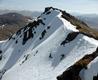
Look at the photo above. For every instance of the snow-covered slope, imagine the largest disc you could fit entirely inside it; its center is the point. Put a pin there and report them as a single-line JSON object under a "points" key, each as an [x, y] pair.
{"points": [[45, 48]]}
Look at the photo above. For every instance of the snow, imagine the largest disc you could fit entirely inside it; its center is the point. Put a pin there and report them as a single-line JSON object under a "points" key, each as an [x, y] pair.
{"points": [[32, 61], [68, 24], [2, 42]]}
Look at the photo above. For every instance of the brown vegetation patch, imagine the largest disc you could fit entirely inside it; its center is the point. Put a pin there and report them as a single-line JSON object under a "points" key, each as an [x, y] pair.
{"points": [[8, 31]]}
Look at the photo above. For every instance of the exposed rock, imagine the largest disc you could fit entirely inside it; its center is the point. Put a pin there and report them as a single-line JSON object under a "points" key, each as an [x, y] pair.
{"points": [[71, 36], [95, 77]]}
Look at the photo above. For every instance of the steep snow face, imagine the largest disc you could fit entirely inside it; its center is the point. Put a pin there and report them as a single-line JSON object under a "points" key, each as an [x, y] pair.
{"points": [[45, 50], [17, 45]]}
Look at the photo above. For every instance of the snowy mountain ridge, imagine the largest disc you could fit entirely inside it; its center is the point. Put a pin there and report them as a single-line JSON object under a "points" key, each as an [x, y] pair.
{"points": [[50, 48]]}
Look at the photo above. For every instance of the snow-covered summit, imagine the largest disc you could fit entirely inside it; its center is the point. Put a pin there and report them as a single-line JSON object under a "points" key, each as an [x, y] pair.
{"points": [[45, 48]]}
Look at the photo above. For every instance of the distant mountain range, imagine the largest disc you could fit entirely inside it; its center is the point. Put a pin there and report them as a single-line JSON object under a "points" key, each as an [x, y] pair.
{"points": [[90, 19], [23, 12]]}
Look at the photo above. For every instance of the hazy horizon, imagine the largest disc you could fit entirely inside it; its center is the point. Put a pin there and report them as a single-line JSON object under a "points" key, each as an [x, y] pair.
{"points": [[77, 6]]}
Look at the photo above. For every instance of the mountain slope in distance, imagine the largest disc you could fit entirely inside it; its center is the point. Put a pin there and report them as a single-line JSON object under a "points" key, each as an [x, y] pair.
{"points": [[10, 23], [90, 19]]}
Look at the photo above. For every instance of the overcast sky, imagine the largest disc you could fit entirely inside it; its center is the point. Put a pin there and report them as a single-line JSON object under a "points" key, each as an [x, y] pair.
{"points": [[80, 6]]}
